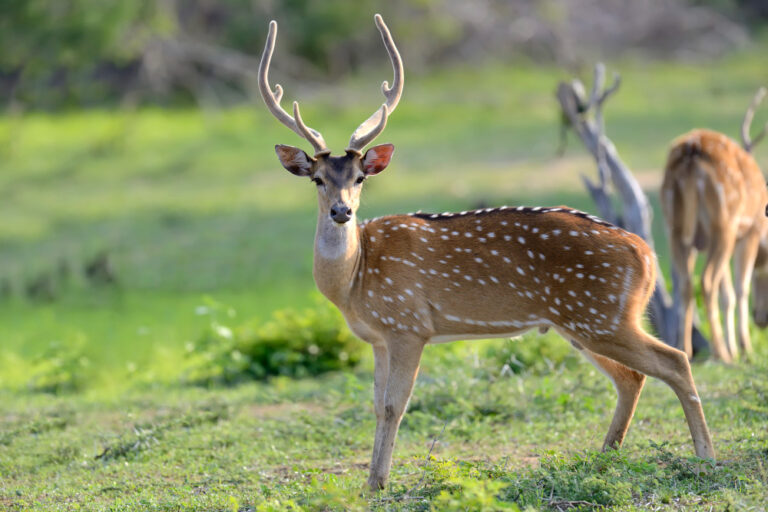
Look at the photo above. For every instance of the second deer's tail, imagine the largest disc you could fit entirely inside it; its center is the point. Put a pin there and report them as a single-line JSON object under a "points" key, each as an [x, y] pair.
{"points": [[685, 167]]}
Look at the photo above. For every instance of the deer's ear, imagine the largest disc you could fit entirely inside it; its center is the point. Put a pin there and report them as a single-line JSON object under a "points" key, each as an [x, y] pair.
{"points": [[377, 158], [294, 160]]}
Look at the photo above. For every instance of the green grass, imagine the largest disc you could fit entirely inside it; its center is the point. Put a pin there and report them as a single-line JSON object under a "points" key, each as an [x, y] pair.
{"points": [[529, 438], [195, 210]]}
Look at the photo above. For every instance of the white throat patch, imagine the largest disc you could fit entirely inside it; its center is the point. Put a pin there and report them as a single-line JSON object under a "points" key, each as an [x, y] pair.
{"points": [[333, 239]]}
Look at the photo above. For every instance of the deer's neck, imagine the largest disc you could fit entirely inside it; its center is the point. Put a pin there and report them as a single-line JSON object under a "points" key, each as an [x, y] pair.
{"points": [[337, 258]]}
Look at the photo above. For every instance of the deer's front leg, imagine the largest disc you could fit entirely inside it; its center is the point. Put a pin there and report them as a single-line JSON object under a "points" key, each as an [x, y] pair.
{"points": [[380, 374], [403, 360]]}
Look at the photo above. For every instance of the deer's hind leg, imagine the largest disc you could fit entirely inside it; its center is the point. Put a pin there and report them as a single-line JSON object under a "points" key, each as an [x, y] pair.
{"points": [[633, 347], [712, 276], [628, 384], [743, 266], [683, 262]]}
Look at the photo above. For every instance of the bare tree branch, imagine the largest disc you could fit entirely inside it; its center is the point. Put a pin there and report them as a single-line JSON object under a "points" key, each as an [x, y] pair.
{"points": [[747, 142], [586, 118]]}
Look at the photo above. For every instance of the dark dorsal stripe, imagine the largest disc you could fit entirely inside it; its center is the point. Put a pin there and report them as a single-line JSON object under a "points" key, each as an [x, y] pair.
{"points": [[528, 210]]}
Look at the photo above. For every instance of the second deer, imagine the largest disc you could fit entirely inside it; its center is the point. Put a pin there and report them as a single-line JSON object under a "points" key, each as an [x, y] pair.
{"points": [[404, 281], [714, 200]]}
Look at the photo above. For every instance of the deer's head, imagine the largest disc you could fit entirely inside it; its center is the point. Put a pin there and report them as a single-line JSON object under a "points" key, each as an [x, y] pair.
{"points": [[339, 179]]}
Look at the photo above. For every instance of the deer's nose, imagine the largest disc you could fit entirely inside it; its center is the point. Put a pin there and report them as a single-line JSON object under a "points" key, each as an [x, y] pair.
{"points": [[341, 213]]}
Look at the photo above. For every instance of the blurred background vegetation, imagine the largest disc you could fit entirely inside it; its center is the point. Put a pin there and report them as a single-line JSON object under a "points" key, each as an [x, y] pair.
{"points": [[148, 233], [84, 53]]}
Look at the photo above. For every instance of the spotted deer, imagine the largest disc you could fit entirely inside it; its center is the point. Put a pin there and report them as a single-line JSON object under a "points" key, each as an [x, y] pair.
{"points": [[404, 281], [714, 196]]}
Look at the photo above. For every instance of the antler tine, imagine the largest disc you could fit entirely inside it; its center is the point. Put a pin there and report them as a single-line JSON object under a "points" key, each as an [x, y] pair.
{"points": [[748, 116], [365, 139], [372, 127], [308, 133], [272, 99]]}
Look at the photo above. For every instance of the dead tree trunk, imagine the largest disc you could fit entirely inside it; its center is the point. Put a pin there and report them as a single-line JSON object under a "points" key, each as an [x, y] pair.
{"points": [[636, 215]]}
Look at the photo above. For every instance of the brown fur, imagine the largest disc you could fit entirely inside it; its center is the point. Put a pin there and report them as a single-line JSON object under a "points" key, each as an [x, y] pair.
{"points": [[513, 276], [713, 197]]}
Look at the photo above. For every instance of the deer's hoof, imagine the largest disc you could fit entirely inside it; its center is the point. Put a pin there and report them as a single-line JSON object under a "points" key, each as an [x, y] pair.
{"points": [[375, 484]]}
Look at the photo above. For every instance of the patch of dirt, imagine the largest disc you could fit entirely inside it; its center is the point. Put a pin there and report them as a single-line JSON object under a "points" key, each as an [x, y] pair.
{"points": [[538, 176], [341, 469], [649, 179], [284, 409], [286, 473]]}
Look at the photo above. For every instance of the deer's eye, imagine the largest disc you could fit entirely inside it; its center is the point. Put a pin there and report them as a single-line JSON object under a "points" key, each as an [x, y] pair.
{"points": [[360, 179], [317, 181]]}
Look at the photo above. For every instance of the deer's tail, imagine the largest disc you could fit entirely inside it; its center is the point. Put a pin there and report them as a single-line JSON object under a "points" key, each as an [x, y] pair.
{"points": [[686, 168]]}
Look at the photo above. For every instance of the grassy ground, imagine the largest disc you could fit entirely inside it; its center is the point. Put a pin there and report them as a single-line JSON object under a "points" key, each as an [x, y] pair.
{"points": [[529, 439], [194, 210]]}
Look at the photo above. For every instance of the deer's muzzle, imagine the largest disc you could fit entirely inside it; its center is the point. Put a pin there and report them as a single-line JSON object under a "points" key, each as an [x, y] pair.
{"points": [[341, 213]]}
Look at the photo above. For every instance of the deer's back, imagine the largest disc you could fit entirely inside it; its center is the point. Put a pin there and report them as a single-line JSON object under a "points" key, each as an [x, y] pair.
{"points": [[723, 175]]}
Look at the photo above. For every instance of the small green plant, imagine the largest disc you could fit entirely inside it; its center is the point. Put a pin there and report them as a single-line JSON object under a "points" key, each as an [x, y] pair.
{"points": [[331, 492], [60, 368], [469, 493], [293, 343], [533, 352]]}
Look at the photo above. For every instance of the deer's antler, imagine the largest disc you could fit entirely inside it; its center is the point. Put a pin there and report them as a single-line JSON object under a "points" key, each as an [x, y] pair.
{"points": [[272, 98], [748, 116], [373, 126]]}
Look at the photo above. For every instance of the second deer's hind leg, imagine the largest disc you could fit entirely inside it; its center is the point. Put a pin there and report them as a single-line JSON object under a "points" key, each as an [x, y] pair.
{"points": [[711, 278], [628, 384], [728, 309], [683, 261], [640, 351], [743, 266]]}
